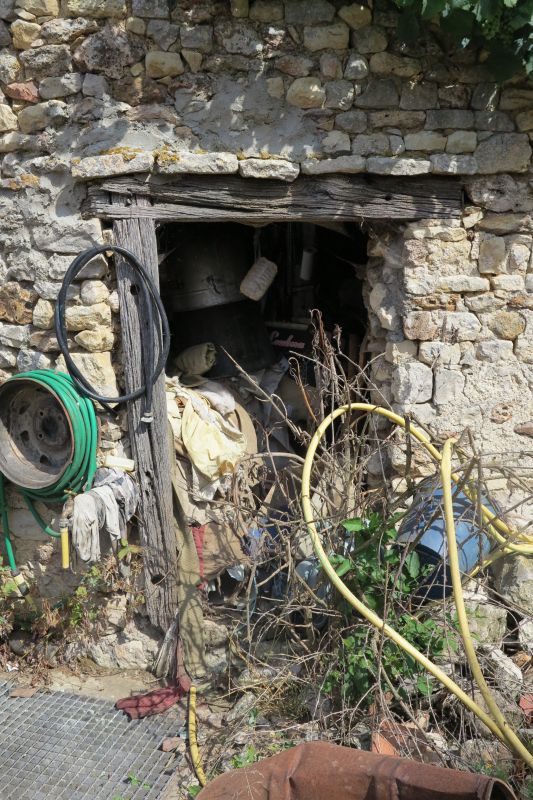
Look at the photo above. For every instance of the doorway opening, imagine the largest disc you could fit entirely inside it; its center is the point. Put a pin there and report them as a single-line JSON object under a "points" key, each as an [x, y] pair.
{"points": [[207, 286]]}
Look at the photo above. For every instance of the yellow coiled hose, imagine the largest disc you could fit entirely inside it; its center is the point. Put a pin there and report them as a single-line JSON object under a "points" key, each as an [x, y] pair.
{"points": [[522, 543]]}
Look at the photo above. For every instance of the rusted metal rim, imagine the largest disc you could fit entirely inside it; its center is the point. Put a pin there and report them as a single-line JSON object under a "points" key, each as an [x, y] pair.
{"points": [[36, 435]]}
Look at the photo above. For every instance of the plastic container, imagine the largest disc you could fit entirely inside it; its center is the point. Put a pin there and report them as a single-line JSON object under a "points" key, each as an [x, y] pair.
{"points": [[424, 525], [258, 279]]}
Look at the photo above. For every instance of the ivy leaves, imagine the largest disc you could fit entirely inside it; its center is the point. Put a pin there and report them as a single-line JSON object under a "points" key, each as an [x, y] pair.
{"points": [[503, 27]]}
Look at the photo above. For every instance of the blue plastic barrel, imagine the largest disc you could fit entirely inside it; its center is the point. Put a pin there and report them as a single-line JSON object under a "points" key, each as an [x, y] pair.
{"points": [[424, 525]]}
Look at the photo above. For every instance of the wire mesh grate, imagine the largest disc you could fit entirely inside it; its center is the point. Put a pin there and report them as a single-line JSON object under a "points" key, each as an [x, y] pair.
{"points": [[71, 747]]}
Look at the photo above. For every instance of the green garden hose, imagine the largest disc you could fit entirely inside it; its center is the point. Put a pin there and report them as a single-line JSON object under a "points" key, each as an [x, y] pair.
{"points": [[79, 473]]}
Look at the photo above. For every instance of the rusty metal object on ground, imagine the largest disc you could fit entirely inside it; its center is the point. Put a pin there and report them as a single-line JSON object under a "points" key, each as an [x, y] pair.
{"points": [[325, 771]]}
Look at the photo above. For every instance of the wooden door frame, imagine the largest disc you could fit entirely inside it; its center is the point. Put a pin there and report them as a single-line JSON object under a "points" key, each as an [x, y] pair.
{"points": [[133, 204]]}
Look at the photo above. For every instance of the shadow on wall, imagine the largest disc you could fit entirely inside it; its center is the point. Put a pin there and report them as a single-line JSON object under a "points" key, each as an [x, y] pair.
{"points": [[211, 112]]}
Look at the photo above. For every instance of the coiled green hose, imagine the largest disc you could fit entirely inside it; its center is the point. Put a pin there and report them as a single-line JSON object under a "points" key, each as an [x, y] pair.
{"points": [[79, 474]]}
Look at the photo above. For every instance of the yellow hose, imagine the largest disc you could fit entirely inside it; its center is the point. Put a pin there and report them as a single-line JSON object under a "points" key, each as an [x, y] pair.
{"points": [[497, 725], [453, 559], [193, 741]]}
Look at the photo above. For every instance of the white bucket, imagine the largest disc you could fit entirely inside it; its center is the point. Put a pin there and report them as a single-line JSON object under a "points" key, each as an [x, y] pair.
{"points": [[258, 278]]}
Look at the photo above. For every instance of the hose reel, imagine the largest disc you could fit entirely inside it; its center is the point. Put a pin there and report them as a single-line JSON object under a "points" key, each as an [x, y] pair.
{"points": [[48, 439]]}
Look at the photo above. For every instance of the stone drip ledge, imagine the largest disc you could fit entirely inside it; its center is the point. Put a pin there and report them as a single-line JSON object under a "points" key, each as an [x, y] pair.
{"points": [[167, 163]]}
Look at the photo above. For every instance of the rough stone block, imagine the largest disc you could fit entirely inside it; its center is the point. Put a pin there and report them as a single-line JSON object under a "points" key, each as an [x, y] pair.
{"points": [[379, 93], [99, 340], [96, 8], [351, 121], [8, 357], [428, 141], [28, 360], [306, 93], [26, 91], [412, 383], [109, 52], [162, 32], [461, 142], [494, 121], [385, 63], [80, 318], [297, 66], [371, 144], [336, 142], [98, 370], [41, 115], [43, 314], [444, 164], [339, 95], [464, 283], [418, 96], [14, 335], [423, 325], [266, 11], [397, 119], [492, 255], [449, 118], [46, 62], [461, 326], [16, 303], [356, 15], [10, 68], [519, 256], [115, 164], [160, 64], [398, 166], [524, 121], [356, 67], [396, 352], [504, 152], [506, 324], [514, 99], [494, 350], [449, 385], [514, 580], [341, 164], [370, 39], [197, 37], [275, 169], [8, 120], [508, 283], [58, 31], [52, 88], [485, 97], [441, 353], [308, 12], [94, 86], [327, 37], [24, 34], [154, 9], [198, 163]]}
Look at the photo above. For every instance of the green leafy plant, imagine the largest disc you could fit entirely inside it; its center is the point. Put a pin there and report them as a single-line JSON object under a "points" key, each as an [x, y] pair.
{"points": [[503, 27], [133, 780], [250, 756], [384, 575], [194, 790]]}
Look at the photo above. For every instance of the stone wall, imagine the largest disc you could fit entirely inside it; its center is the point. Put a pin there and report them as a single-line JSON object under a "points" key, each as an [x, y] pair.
{"points": [[92, 88]]}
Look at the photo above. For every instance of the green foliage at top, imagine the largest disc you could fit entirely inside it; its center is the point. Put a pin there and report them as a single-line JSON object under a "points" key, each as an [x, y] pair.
{"points": [[503, 27], [384, 575]]}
